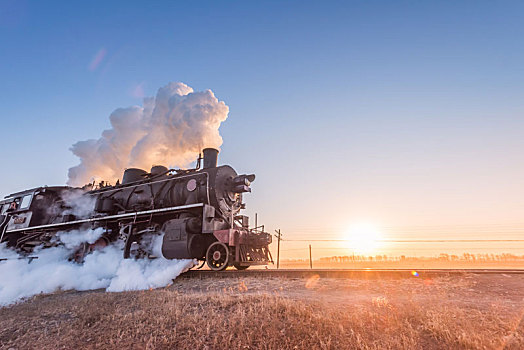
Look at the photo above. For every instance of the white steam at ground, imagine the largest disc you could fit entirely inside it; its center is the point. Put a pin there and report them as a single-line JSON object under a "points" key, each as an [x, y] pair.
{"points": [[72, 239], [169, 129], [103, 268]]}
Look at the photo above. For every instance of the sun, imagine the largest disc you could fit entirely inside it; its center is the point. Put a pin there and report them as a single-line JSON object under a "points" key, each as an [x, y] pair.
{"points": [[363, 238]]}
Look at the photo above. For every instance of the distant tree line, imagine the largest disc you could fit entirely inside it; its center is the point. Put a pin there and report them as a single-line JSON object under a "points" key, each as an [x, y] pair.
{"points": [[466, 257]]}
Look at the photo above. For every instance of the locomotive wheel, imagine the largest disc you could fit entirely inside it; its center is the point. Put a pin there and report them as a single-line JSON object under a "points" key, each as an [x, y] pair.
{"points": [[80, 253], [239, 267], [85, 248], [217, 256]]}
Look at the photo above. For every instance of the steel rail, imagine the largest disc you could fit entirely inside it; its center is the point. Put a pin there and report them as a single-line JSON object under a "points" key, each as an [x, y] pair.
{"points": [[346, 273]]}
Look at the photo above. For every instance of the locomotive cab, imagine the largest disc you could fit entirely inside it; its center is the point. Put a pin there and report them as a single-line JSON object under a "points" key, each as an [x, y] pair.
{"points": [[24, 210], [17, 208], [15, 213]]}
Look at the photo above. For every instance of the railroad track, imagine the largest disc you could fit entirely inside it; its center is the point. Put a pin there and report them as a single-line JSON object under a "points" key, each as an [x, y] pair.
{"points": [[346, 273]]}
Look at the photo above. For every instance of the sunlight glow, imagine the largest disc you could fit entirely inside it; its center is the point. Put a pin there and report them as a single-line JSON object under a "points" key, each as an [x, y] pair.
{"points": [[363, 239]]}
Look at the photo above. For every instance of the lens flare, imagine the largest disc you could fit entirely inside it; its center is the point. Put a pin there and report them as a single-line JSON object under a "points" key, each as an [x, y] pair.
{"points": [[97, 59]]}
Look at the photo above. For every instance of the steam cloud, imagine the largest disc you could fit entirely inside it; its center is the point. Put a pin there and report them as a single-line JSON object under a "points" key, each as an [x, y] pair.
{"points": [[79, 204], [74, 238], [169, 129], [103, 268]]}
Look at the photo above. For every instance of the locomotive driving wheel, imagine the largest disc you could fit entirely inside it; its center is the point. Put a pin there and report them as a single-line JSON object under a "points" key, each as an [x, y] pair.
{"points": [[217, 256]]}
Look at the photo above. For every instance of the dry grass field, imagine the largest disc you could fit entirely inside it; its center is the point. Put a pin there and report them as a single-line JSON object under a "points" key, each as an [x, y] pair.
{"points": [[463, 311]]}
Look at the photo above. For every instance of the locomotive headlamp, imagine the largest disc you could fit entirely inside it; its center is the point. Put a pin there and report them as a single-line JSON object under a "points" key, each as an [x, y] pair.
{"points": [[241, 183]]}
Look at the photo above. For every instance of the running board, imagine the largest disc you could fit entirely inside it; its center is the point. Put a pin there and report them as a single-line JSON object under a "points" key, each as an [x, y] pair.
{"points": [[110, 217], [29, 258]]}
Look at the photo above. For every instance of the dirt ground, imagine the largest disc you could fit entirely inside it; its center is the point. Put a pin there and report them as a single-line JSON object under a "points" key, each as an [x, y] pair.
{"points": [[462, 311]]}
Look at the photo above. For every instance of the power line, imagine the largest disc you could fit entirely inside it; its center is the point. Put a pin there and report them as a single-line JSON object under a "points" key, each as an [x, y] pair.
{"points": [[486, 228], [521, 224], [349, 249], [410, 240]]}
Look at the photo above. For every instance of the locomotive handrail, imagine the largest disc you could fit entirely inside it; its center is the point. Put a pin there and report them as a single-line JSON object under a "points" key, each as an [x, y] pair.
{"points": [[3, 227], [144, 182], [109, 217]]}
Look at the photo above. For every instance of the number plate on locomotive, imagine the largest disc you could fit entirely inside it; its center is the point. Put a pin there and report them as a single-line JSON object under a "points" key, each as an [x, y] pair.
{"points": [[19, 220]]}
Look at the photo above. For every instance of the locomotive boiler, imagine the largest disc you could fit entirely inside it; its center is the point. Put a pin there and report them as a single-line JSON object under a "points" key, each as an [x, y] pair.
{"points": [[196, 213]]}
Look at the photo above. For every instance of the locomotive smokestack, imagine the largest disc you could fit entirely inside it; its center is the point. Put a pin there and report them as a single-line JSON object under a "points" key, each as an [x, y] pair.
{"points": [[210, 157]]}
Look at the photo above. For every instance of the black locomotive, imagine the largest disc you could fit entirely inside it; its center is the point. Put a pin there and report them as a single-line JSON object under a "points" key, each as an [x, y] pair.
{"points": [[196, 210]]}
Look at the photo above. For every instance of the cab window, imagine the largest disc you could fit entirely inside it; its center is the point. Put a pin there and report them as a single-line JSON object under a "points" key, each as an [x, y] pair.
{"points": [[26, 200]]}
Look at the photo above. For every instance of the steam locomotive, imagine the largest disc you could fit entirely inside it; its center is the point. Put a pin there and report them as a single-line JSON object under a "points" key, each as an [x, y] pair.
{"points": [[196, 210]]}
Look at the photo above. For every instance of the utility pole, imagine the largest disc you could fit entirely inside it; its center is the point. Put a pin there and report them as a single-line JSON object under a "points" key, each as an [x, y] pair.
{"points": [[310, 260], [279, 237]]}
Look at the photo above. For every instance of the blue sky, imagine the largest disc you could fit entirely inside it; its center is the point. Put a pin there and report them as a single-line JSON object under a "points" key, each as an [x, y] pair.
{"points": [[401, 113]]}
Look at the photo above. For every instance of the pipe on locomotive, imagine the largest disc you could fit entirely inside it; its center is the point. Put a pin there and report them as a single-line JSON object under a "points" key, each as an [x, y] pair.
{"points": [[136, 175], [210, 157]]}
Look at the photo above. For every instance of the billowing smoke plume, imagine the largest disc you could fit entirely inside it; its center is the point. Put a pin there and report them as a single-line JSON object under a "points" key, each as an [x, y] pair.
{"points": [[103, 268], [169, 129]]}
